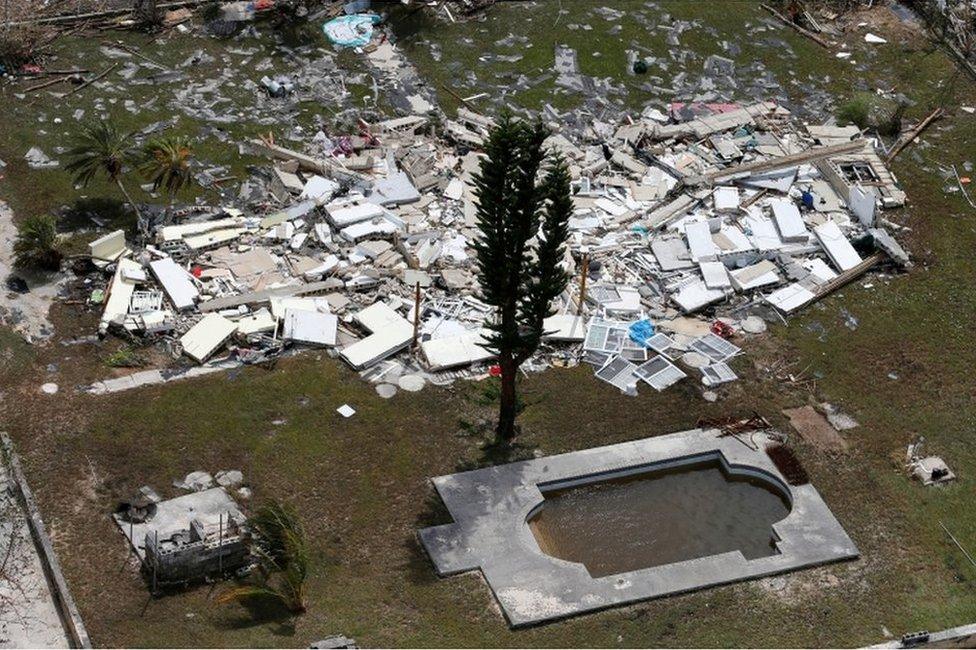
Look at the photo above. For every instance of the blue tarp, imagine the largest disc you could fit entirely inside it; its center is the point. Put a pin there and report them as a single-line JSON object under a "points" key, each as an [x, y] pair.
{"points": [[351, 31], [640, 331]]}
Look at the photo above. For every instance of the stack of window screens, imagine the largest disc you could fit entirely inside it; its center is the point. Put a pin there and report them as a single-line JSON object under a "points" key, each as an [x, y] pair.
{"points": [[714, 347], [717, 373], [619, 372], [659, 373]]}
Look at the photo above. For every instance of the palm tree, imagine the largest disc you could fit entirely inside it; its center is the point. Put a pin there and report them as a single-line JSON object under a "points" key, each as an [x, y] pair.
{"points": [[166, 162], [37, 245], [282, 552], [102, 149]]}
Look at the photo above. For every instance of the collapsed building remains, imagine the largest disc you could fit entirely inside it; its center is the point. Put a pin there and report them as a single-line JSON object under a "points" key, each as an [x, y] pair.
{"points": [[690, 226]]}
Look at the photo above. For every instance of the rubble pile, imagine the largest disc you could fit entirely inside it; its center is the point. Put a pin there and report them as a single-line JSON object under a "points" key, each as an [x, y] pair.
{"points": [[687, 232]]}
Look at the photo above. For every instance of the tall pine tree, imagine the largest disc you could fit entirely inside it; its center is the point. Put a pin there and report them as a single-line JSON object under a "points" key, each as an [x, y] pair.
{"points": [[524, 227]]}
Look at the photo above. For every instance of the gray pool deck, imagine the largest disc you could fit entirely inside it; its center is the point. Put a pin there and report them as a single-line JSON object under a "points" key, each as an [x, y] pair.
{"points": [[491, 506]]}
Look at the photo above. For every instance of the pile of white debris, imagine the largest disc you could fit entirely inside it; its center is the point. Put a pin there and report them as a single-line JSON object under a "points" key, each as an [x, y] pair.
{"points": [[692, 226]]}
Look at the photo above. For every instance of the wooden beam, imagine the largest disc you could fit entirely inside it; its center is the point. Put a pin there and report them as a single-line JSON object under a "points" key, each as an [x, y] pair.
{"points": [[809, 155], [806, 32], [914, 133]]}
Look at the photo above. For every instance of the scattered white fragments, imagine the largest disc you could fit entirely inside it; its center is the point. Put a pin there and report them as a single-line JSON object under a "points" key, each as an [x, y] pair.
{"points": [[694, 219]]}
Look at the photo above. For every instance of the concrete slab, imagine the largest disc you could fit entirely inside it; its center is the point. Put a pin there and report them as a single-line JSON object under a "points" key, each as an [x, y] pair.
{"points": [[491, 507], [815, 429]]}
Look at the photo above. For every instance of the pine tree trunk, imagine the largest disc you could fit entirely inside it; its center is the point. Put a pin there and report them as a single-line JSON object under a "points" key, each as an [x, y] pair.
{"points": [[508, 405]]}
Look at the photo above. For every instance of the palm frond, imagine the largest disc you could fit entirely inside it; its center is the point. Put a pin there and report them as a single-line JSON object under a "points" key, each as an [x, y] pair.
{"points": [[166, 163], [37, 244], [100, 148]]}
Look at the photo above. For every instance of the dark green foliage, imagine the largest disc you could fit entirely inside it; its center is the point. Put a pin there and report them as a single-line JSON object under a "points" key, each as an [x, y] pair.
{"points": [[37, 245], [518, 278], [282, 552], [100, 149], [166, 163], [855, 111]]}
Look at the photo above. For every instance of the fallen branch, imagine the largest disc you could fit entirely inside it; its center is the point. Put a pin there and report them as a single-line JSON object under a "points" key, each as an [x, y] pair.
{"points": [[92, 80], [806, 32], [50, 82], [54, 20], [914, 133]]}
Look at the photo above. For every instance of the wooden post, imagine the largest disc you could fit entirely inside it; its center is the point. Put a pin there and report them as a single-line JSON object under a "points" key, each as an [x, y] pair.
{"points": [[416, 312], [585, 271]]}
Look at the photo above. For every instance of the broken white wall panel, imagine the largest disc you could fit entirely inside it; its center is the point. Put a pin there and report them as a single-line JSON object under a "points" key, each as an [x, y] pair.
{"points": [[762, 232], [119, 295], [382, 227], [108, 248], [346, 214], [176, 282], [259, 321], [265, 295], [390, 333], [790, 298], [395, 189], [564, 327], [820, 272], [726, 198], [887, 243], [314, 304], [207, 336], [693, 295], [672, 254], [837, 246], [453, 351], [627, 162], [670, 211], [319, 189], [715, 275], [203, 234], [788, 221], [700, 241], [310, 327], [760, 274], [611, 207], [862, 204], [780, 180]]}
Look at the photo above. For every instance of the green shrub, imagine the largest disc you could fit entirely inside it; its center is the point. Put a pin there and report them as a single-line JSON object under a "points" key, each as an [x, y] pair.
{"points": [[37, 245], [856, 110]]}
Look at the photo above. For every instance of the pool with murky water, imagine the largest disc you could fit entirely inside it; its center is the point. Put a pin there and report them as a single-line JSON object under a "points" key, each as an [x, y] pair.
{"points": [[659, 517]]}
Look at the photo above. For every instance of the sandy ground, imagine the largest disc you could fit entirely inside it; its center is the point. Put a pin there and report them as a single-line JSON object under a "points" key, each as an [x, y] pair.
{"points": [[25, 313], [28, 618]]}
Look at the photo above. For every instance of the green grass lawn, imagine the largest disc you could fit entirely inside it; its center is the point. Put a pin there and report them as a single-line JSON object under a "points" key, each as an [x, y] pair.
{"points": [[361, 485]]}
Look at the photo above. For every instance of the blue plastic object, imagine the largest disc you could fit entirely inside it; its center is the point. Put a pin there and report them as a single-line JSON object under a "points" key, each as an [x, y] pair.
{"points": [[351, 31], [640, 331]]}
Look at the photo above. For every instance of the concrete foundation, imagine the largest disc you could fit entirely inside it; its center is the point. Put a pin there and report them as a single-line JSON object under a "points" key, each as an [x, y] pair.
{"points": [[491, 506]]}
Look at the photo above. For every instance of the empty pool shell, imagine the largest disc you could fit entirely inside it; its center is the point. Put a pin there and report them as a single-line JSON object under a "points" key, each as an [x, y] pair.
{"points": [[491, 508]]}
